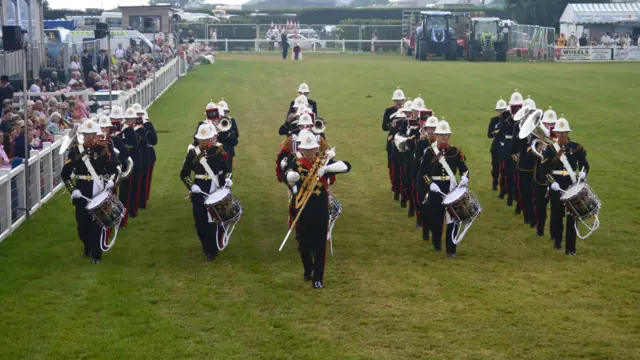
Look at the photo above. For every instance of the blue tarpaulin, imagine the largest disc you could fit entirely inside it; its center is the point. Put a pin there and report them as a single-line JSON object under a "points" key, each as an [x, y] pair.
{"points": [[55, 24]]}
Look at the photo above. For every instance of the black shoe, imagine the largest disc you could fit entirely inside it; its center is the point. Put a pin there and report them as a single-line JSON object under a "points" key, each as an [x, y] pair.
{"points": [[540, 233], [95, 261], [501, 195], [517, 211], [87, 254], [317, 285], [532, 224], [412, 212], [396, 196], [437, 249], [509, 203], [494, 187], [557, 247], [451, 255], [210, 257], [571, 253], [403, 203], [307, 277]]}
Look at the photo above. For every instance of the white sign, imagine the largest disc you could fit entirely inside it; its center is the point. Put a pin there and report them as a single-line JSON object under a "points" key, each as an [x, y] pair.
{"points": [[582, 54], [628, 53]]}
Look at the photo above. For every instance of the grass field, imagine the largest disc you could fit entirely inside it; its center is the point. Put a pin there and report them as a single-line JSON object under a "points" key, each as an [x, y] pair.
{"points": [[508, 295]]}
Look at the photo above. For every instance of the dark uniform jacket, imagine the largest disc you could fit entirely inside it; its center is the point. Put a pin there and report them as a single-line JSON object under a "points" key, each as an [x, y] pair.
{"points": [[431, 167], [493, 133], [576, 157], [217, 159], [103, 161], [152, 140]]}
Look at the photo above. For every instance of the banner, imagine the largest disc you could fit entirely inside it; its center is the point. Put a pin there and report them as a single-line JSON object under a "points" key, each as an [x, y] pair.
{"points": [[582, 54], [627, 54]]}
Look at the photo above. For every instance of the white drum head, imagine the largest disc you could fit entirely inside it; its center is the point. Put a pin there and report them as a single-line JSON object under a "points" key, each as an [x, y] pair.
{"points": [[217, 196], [454, 195], [572, 191], [97, 200]]}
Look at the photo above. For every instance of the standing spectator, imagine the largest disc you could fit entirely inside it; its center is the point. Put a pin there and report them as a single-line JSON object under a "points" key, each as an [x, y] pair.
{"points": [[87, 64], [573, 40], [285, 45], [120, 53], [103, 61], [562, 40], [605, 39], [6, 89], [374, 38], [583, 40]]}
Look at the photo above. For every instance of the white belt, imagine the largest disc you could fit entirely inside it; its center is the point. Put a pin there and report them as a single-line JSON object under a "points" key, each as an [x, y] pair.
{"points": [[560, 172], [508, 137], [501, 143], [441, 178], [150, 145], [204, 177], [84, 177]]}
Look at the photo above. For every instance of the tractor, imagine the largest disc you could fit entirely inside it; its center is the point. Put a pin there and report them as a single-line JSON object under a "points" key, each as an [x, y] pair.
{"points": [[486, 41], [435, 36]]}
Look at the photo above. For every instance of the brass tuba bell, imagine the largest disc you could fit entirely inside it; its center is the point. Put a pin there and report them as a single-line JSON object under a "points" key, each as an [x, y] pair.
{"points": [[224, 124], [319, 126], [534, 126]]}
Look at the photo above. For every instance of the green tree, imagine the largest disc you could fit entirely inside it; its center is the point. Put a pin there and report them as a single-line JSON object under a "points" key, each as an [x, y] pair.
{"points": [[540, 12]]}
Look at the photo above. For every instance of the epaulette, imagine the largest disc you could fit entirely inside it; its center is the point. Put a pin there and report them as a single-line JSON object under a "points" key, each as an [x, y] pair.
{"points": [[579, 148], [220, 150]]}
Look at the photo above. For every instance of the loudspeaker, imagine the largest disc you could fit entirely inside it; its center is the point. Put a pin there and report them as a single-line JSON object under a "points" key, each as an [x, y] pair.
{"points": [[102, 26], [11, 38], [99, 33]]}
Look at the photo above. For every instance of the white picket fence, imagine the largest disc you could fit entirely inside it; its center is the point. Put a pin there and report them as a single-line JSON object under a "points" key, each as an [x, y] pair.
{"points": [[45, 166]]}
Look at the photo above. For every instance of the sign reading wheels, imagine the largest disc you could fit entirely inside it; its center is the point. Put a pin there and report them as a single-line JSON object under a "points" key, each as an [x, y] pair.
{"points": [[583, 54]]}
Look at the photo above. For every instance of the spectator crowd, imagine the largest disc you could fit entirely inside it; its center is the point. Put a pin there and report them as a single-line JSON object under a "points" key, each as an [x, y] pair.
{"points": [[607, 39]]}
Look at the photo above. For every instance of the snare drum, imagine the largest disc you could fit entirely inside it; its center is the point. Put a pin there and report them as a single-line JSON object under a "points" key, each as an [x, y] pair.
{"points": [[106, 209], [462, 205], [335, 209], [580, 201], [223, 207]]}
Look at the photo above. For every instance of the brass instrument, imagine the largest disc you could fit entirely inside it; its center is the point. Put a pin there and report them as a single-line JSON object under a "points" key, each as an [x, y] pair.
{"points": [[304, 194], [125, 175], [224, 124], [70, 139], [319, 126], [534, 126]]}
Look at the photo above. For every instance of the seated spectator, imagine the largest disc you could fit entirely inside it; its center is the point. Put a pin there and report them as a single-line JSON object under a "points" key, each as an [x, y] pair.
{"points": [[75, 64]]}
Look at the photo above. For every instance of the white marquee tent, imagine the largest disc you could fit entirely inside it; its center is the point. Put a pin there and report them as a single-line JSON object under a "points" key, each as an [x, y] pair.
{"points": [[597, 19]]}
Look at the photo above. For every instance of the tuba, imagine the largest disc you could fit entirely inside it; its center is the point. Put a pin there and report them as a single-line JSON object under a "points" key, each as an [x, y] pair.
{"points": [[533, 126], [125, 175], [319, 126], [70, 139], [224, 124], [400, 142]]}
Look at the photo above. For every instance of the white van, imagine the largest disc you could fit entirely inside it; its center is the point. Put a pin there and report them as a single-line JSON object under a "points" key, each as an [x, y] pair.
{"points": [[84, 39]]}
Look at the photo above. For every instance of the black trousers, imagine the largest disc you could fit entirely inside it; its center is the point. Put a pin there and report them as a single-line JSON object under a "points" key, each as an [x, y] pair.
{"points": [[206, 230], [508, 175], [311, 233], [540, 206], [423, 215], [134, 191], [436, 220], [396, 167], [525, 195], [285, 50], [408, 180], [142, 194], [557, 223], [89, 231], [123, 195], [495, 168]]}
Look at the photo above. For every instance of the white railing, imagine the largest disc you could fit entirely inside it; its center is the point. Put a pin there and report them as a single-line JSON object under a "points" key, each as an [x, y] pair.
{"points": [[309, 45], [45, 165]]}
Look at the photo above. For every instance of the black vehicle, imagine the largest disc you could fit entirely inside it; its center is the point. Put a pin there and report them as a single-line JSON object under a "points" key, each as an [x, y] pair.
{"points": [[435, 36]]}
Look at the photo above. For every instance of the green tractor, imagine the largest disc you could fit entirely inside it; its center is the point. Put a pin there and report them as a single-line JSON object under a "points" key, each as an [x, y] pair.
{"points": [[435, 36], [485, 41]]}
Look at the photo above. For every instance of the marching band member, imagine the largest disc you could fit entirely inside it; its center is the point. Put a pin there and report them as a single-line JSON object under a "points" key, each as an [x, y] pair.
{"points": [[426, 140], [508, 163], [145, 155], [560, 160], [95, 166], [303, 90], [521, 150], [292, 117], [289, 146], [234, 123], [308, 175], [119, 148], [494, 133], [398, 99], [131, 138], [209, 162], [540, 181], [437, 172], [412, 134], [229, 138], [152, 141], [398, 128]]}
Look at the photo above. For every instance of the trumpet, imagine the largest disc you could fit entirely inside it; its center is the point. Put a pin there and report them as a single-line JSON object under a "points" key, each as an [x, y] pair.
{"points": [[224, 124], [319, 126]]}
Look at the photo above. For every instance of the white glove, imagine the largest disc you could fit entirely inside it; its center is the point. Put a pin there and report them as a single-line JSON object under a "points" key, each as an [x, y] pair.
{"points": [[292, 177], [434, 187], [76, 194], [283, 163], [322, 171], [228, 182], [555, 186], [195, 189], [582, 175], [331, 153], [109, 185], [295, 189], [464, 180]]}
